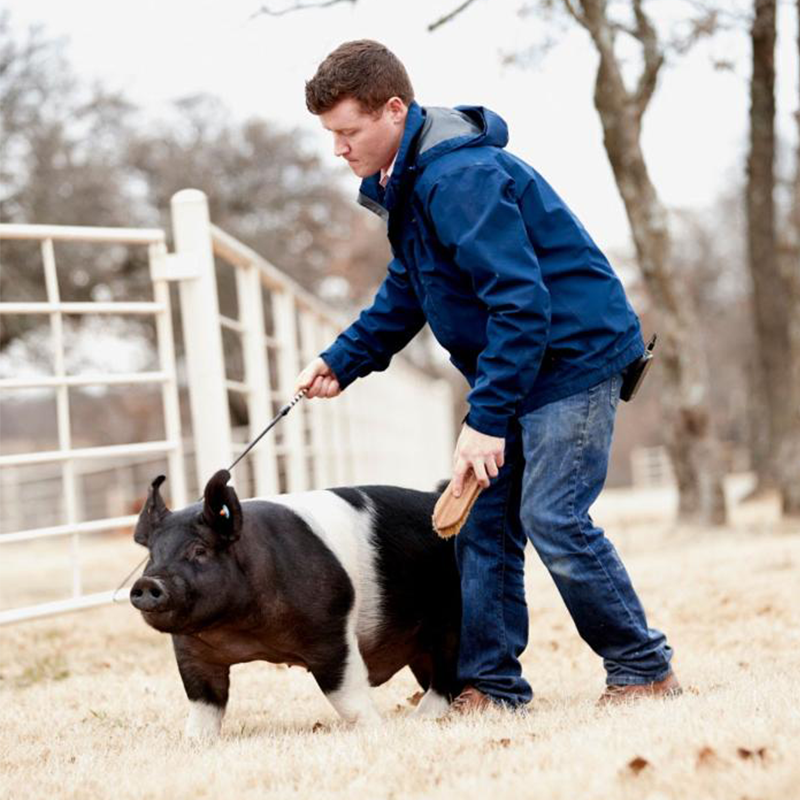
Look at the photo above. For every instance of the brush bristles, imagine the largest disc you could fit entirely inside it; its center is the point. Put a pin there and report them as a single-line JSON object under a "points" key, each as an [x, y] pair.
{"points": [[448, 531]]}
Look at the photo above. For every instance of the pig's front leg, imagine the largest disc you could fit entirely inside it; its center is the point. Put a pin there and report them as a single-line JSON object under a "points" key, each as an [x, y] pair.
{"points": [[206, 684], [342, 675]]}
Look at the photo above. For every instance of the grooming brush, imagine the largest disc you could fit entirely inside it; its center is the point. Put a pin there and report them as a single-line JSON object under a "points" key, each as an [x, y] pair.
{"points": [[451, 512]]}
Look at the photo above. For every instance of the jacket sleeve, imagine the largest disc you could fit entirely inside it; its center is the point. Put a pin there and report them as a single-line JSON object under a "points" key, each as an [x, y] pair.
{"points": [[381, 330], [475, 214]]}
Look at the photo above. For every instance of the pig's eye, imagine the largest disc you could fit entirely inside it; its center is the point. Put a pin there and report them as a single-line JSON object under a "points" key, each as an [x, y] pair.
{"points": [[198, 552]]}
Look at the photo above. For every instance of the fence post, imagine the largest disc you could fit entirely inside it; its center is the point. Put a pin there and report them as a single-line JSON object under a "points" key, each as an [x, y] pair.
{"points": [[256, 370], [295, 452], [202, 337], [169, 388], [320, 448], [340, 443]]}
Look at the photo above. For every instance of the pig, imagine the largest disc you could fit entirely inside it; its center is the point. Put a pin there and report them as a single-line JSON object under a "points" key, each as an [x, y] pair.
{"points": [[351, 583]]}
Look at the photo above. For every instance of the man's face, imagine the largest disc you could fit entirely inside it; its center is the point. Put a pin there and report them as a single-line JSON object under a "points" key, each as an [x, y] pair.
{"points": [[367, 141]]}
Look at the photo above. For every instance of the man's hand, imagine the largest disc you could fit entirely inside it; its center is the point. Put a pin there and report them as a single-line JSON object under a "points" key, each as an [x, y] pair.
{"points": [[319, 379], [483, 454]]}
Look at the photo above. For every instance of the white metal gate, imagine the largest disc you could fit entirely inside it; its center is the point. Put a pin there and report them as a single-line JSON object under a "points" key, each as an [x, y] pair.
{"points": [[66, 455], [395, 428]]}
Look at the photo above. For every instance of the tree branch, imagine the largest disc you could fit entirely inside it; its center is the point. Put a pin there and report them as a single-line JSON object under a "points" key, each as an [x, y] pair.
{"points": [[706, 24], [575, 14], [298, 6], [653, 59], [447, 17], [618, 27], [594, 18], [727, 18]]}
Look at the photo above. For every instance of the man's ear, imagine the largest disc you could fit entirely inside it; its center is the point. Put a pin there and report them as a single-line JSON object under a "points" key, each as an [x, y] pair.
{"points": [[222, 511], [153, 513], [398, 110]]}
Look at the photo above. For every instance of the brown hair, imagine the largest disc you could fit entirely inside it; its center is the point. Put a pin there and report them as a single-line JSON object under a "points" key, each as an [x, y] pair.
{"points": [[364, 70]]}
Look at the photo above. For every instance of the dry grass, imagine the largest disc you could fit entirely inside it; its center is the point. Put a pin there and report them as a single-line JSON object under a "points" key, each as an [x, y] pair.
{"points": [[92, 705]]}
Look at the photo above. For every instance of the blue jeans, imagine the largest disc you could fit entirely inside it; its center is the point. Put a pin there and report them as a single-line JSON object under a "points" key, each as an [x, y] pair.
{"points": [[556, 464]]}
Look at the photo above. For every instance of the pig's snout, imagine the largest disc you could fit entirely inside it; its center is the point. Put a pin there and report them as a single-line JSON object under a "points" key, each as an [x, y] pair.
{"points": [[149, 594]]}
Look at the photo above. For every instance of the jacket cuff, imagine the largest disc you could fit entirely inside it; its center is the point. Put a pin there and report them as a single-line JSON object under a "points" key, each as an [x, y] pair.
{"points": [[485, 422], [336, 358]]}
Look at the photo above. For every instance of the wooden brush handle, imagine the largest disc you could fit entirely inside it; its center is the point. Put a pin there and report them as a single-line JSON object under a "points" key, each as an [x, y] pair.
{"points": [[450, 511]]}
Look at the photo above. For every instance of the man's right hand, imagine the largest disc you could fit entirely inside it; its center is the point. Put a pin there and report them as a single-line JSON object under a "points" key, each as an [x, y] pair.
{"points": [[319, 379]]}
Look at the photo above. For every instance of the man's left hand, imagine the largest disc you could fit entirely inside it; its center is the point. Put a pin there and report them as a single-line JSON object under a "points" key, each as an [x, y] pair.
{"points": [[481, 453]]}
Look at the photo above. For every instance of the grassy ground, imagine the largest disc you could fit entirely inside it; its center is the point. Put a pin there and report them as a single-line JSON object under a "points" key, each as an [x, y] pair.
{"points": [[91, 704]]}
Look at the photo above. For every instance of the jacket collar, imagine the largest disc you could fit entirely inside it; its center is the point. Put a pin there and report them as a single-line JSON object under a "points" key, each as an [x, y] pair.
{"points": [[371, 194]]}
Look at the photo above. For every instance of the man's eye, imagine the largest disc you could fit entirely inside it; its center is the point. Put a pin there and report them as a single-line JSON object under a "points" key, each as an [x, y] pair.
{"points": [[199, 552]]}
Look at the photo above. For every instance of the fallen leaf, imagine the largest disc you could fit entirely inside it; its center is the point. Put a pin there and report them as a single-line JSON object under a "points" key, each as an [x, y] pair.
{"points": [[319, 727], [415, 698], [745, 754], [636, 765], [706, 756]]}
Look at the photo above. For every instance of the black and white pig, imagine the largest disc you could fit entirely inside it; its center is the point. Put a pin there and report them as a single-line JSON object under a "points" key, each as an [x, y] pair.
{"points": [[351, 583]]}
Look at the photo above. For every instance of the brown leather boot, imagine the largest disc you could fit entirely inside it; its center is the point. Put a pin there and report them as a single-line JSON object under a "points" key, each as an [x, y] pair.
{"points": [[471, 700], [615, 693]]}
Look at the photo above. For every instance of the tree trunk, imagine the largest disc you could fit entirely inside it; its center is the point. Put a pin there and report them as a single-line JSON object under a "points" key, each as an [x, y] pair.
{"points": [[771, 296], [692, 443], [789, 454]]}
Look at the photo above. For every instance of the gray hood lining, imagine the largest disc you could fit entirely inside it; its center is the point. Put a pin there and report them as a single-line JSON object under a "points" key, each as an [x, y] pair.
{"points": [[442, 124]]}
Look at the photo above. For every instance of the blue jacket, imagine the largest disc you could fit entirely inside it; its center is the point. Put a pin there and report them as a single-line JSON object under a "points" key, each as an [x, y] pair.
{"points": [[510, 282]]}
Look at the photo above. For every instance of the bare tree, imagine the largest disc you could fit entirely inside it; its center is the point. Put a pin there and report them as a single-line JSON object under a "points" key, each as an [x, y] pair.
{"points": [[80, 155], [691, 441], [770, 300], [789, 453], [264, 185], [59, 164], [277, 9]]}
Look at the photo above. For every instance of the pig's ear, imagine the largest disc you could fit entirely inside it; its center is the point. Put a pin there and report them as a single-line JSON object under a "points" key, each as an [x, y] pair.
{"points": [[221, 509], [154, 512]]}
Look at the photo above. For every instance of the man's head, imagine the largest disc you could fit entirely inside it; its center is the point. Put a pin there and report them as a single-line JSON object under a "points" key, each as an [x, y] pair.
{"points": [[361, 93]]}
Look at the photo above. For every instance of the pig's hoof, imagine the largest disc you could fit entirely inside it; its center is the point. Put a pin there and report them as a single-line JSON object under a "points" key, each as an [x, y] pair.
{"points": [[366, 718], [372, 721], [432, 705]]}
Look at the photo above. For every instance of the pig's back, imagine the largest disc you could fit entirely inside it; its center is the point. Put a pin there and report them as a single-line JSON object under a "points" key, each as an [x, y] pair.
{"points": [[403, 575]]}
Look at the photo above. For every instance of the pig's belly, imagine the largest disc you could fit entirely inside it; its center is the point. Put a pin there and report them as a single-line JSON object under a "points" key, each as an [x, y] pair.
{"points": [[389, 654]]}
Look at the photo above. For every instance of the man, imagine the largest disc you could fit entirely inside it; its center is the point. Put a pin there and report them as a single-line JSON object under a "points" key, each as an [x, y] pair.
{"points": [[533, 315]]}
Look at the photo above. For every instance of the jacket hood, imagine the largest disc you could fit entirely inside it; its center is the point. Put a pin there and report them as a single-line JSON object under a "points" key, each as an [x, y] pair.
{"points": [[430, 133], [448, 129]]}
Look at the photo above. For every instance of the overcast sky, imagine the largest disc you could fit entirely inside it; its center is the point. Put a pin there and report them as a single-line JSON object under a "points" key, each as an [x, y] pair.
{"points": [[695, 131]]}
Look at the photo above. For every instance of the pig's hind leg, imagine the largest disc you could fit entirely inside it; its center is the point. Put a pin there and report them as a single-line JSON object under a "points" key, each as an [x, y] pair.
{"points": [[206, 686], [435, 672], [342, 676]]}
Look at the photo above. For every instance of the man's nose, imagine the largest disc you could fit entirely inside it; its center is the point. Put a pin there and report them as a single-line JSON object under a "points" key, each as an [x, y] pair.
{"points": [[340, 146]]}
